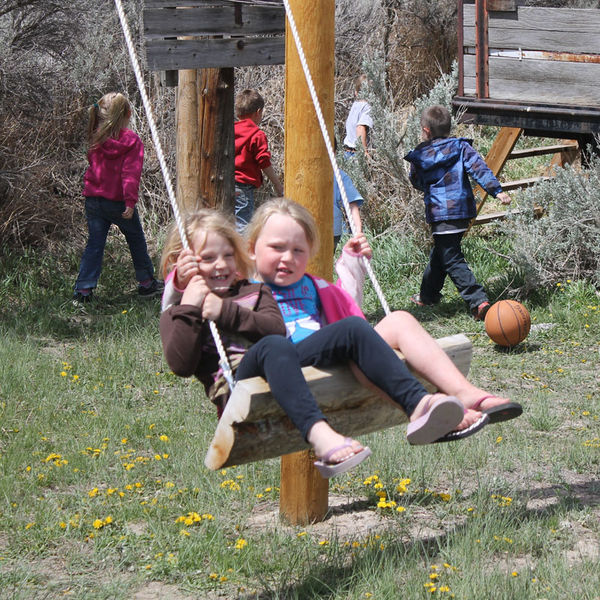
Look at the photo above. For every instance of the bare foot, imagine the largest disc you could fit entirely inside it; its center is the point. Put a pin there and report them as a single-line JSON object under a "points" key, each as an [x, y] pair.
{"points": [[324, 439], [470, 395]]}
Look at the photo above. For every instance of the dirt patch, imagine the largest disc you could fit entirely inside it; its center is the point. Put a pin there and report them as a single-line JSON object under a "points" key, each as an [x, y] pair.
{"points": [[354, 519], [155, 590]]}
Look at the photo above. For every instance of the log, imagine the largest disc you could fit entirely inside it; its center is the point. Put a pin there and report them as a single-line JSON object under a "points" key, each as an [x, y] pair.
{"points": [[253, 427]]}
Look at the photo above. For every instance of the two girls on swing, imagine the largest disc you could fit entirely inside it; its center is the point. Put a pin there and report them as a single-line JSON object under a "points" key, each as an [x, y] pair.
{"points": [[324, 327]]}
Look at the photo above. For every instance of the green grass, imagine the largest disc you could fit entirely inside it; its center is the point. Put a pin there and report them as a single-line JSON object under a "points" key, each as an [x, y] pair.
{"points": [[102, 448]]}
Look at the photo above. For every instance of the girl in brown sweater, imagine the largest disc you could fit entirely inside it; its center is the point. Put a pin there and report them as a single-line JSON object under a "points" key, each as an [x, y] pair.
{"points": [[208, 282]]}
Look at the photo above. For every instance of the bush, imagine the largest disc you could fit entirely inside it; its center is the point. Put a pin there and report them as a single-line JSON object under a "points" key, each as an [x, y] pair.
{"points": [[565, 242]]}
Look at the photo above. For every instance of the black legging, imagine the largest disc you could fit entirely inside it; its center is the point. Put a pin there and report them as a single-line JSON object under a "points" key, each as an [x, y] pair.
{"points": [[279, 361]]}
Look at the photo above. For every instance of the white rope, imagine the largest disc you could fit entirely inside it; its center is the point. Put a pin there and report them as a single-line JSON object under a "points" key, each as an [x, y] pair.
{"points": [[224, 363], [330, 152]]}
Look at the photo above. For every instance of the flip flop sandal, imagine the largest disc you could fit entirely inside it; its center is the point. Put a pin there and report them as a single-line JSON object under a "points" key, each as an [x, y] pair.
{"points": [[502, 412], [464, 433], [329, 469], [436, 422]]}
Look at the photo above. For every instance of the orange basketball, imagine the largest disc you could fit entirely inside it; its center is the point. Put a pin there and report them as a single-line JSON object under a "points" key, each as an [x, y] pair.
{"points": [[507, 322]]}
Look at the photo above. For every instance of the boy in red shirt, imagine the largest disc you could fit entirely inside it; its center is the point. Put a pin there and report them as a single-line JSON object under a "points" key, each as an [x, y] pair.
{"points": [[252, 156]]}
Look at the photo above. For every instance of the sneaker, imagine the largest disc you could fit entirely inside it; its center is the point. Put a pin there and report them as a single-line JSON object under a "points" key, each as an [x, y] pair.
{"points": [[82, 296], [155, 288], [480, 312], [416, 298]]}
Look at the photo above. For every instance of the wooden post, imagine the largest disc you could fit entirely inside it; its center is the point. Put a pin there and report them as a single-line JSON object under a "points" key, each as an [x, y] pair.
{"points": [[481, 49], [215, 129], [188, 141], [309, 181], [205, 155]]}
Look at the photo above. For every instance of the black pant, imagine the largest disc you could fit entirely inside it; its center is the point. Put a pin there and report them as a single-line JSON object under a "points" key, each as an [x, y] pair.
{"points": [[447, 258], [279, 361]]}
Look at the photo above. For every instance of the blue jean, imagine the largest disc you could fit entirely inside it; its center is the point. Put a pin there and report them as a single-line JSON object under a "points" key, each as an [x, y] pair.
{"points": [[101, 214], [278, 360], [447, 258], [244, 204]]}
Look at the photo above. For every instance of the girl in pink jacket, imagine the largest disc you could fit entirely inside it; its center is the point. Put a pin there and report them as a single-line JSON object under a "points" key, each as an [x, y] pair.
{"points": [[111, 184]]}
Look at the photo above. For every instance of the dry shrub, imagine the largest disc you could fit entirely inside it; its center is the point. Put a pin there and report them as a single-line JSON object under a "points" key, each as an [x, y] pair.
{"points": [[420, 43], [57, 58]]}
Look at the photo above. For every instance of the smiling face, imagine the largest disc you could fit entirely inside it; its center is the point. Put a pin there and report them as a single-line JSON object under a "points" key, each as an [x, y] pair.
{"points": [[217, 262], [281, 251]]}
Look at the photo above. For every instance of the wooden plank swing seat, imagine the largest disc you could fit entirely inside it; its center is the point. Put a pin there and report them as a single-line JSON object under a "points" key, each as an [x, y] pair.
{"points": [[253, 427]]}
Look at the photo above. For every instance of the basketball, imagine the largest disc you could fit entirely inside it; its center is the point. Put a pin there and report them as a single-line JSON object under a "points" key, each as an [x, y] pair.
{"points": [[507, 323]]}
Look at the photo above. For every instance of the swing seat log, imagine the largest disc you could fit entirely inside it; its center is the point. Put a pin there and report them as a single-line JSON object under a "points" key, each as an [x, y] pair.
{"points": [[253, 426]]}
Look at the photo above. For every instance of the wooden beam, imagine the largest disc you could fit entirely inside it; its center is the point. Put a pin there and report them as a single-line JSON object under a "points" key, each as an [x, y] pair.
{"points": [[568, 145], [254, 427], [164, 55], [309, 180], [210, 20], [526, 182]]}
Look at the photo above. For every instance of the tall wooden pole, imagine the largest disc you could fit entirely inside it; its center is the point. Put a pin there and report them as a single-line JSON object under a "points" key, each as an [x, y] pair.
{"points": [[188, 141], [205, 153], [215, 127], [309, 181]]}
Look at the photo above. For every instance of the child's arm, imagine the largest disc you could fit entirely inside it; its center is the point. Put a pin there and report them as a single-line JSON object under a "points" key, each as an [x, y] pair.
{"points": [[131, 172], [477, 168], [416, 179], [182, 337], [361, 134], [350, 268], [270, 173], [259, 318], [355, 212]]}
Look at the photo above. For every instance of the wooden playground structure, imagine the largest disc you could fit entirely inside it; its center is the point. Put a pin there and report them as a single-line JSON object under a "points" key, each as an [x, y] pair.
{"points": [[199, 42], [530, 70]]}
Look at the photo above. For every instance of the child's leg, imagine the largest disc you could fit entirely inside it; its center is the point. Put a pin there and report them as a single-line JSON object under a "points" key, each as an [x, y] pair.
{"points": [[458, 270], [404, 333], [433, 278], [276, 359], [244, 204], [134, 234], [355, 340], [91, 260]]}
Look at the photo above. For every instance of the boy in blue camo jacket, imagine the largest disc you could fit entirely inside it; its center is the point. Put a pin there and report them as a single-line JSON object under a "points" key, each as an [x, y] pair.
{"points": [[440, 167]]}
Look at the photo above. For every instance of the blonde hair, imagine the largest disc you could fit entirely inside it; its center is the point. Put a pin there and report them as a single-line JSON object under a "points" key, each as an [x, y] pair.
{"points": [[287, 207], [107, 117], [206, 220]]}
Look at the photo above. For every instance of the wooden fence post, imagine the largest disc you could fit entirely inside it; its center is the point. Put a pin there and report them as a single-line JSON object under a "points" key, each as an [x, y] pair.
{"points": [[308, 179]]}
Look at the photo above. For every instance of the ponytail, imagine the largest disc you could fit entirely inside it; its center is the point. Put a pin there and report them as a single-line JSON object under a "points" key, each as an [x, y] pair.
{"points": [[106, 118]]}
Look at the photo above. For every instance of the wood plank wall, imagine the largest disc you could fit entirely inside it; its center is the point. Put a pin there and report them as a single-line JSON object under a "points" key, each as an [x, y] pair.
{"points": [[571, 78], [218, 34]]}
